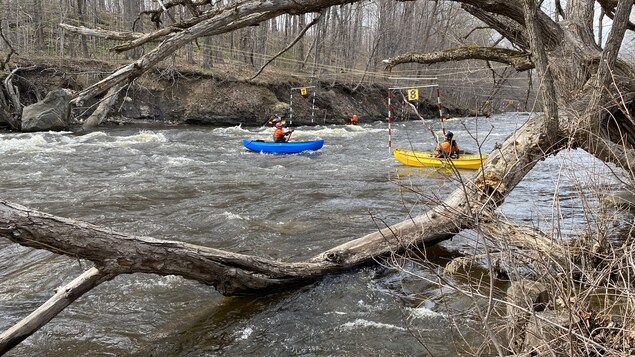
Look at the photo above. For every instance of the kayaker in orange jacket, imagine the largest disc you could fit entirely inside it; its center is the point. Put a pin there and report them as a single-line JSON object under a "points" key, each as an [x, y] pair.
{"points": [[279, 135], [448, 148]]}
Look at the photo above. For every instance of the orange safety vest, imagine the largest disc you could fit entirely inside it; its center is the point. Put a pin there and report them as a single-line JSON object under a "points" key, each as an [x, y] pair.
{"points": [[279, 133], [448, 148]]}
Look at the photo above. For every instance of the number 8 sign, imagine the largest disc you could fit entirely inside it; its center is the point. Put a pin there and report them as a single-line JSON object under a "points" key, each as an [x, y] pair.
{"points": [[413, 94]]}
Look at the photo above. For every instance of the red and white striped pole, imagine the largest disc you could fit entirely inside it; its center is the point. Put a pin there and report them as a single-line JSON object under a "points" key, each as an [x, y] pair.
{"points": [[291, 107], [389, 127], [440, 110]]}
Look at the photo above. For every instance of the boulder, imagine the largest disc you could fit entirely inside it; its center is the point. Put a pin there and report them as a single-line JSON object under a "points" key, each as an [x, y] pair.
{"points": [[52, 113]]}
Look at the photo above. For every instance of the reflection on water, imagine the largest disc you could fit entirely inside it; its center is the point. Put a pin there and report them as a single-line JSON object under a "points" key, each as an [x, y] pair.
{"points": [[199, 185]]}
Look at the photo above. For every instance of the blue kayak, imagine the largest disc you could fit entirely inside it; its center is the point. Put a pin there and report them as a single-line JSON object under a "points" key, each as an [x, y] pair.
{"points": [[293, 147]]}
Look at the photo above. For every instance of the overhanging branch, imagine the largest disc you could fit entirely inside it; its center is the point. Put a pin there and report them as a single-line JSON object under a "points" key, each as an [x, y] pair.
{"points": [[308, 26], [517, 59], [609, 9], [214, 22]]}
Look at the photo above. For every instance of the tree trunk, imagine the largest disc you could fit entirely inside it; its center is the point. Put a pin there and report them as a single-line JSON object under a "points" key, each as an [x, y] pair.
{"points": [[63, 297], [103, 108], [539, 57], [81, 4], [207, 58], [301, 24], [131, 14], [39, 25]]}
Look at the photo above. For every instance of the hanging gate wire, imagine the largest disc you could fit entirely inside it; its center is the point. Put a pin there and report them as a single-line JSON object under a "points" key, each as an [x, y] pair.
{"points": [[389, 125], [389, 119], [302, 90], [440, 110]]}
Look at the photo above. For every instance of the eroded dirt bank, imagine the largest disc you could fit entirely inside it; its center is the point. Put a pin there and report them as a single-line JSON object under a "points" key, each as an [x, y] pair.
{"points": [[218, 97]]}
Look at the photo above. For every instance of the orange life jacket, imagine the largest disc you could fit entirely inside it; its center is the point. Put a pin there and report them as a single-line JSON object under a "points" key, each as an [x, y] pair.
{"points": [[279, 133], [449, 149]]}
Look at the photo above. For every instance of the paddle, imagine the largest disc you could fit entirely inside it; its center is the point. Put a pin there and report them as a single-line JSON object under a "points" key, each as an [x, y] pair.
{"points": [[267, 121], [271, 120], [290, 132]]}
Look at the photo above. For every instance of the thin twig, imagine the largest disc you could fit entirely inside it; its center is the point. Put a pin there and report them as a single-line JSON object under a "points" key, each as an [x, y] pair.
{"points": [[313, 22]]}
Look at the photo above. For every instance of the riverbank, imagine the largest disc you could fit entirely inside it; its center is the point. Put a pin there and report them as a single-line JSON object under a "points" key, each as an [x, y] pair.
{"points": [[224, 95]]}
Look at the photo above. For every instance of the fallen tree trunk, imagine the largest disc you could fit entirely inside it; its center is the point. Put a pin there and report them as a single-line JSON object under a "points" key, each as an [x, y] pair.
{"points": [[63, 297], [103, 108]]}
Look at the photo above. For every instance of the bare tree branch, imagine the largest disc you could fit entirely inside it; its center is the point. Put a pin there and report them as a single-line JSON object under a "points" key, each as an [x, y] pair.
{"points": [[300, 35], [192, 6], [63, 297], [613, 43], [509, 21], [609, 9], [518, 60]]}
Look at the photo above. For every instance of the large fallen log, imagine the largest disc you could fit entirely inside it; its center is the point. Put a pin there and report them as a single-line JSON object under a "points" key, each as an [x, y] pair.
{"points": [[103, 108], [63, 297]]}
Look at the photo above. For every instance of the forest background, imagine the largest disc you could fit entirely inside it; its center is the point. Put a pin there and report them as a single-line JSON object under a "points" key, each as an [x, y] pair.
{"points": [[220, 79]]}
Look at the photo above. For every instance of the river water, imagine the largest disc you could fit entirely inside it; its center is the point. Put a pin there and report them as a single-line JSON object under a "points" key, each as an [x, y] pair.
{"points": [[199, 185]]}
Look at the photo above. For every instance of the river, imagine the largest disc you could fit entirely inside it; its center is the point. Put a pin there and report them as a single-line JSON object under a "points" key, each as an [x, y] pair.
{"points": [[199, 185]]}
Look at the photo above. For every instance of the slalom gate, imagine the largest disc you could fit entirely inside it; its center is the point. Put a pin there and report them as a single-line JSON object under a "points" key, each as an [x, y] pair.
{"points": [[303, 92], [413, 95]]}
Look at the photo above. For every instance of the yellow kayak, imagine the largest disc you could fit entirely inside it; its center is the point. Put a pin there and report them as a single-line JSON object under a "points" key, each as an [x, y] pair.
{"points": [[427, 159]]}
